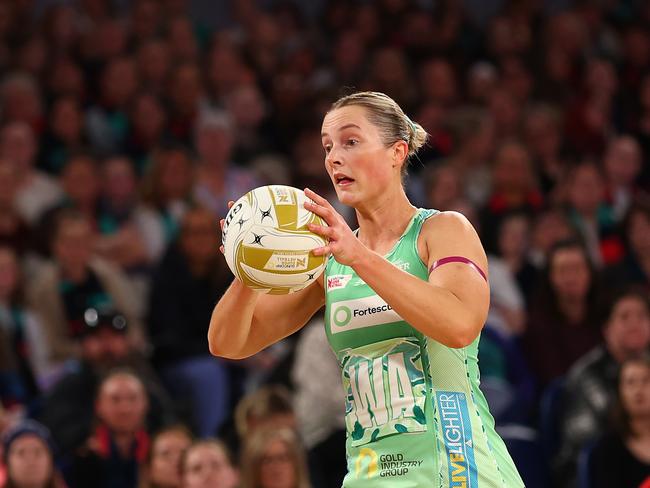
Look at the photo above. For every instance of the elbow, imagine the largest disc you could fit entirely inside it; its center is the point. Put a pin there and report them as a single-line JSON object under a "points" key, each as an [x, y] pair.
{"points": [[218, 351], [466, 334]]}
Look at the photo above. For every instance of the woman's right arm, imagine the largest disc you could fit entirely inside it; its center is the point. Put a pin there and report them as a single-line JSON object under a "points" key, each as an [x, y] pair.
{"points": [[245, 321]]}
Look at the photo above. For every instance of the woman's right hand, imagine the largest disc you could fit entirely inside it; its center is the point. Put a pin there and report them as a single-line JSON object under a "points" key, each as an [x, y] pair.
{"points": [[230, 204]]}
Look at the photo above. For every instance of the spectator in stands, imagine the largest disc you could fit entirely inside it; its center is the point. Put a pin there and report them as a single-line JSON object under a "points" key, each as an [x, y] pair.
{"points": [[514, 188], [35, 191], [68, 408], [162, 469], [73, 281], [131, 235], [107, 119], [29, 457], [208, 463], [167, 187], [562, 323], [14, 231], [64, 135], [622, 162], [621, 458], [119, 445], [217, 179], [274, 458], [148, 129], [190, 275], [590, 215], [635, 266], [591, 384], [22, 331]]}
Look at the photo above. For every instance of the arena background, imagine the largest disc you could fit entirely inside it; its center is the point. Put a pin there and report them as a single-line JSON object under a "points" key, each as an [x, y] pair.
{"points": [[127, 126]]}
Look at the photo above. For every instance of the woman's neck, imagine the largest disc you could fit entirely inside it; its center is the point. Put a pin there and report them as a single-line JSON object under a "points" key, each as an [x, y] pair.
{"points": [[385, 221], [573, 309]]}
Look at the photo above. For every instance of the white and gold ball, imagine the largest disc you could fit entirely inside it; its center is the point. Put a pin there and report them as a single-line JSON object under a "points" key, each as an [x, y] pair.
{"points": [[267, 243]]}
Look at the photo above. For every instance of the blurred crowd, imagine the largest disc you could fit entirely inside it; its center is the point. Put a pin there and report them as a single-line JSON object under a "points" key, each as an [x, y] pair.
{"points": [[125, 128]]}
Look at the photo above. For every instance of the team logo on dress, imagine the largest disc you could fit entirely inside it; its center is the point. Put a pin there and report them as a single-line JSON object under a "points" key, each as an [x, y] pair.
{"points": [[366, 463], [336, 282]]}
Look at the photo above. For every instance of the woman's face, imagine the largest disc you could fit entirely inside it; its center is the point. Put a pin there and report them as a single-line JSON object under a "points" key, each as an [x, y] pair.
{"points": [[634, 388], [29, 462], [277, 469], [570, 274], [166, 457], [358, 162], [207, 466]]}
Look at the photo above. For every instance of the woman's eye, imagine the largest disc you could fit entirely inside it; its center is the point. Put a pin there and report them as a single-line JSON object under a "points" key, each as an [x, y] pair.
{"points": [[352, 142], [327, 149]]}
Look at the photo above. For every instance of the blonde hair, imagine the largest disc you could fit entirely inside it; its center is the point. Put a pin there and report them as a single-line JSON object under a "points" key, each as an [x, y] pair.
{"points": [[267, 401], [254, 450], [384, 113]]}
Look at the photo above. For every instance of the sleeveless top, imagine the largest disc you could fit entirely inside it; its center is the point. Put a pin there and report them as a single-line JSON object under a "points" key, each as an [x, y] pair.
{"points": [[415, 415]]}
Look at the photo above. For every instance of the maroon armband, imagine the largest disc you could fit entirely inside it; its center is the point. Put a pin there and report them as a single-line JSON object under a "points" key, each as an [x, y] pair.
{"points": [[457, 259]]}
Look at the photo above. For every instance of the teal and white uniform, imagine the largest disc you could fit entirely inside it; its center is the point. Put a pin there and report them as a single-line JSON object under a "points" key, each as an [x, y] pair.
{"points": [[415, 416]]}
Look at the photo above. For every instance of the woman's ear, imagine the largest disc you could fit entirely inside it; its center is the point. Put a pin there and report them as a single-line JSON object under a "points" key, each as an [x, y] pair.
{"points": [[400, 153]]}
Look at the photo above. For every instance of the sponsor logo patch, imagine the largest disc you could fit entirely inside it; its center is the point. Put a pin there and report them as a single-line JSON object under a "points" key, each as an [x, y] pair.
{"points": [[360, 313], [336, 282]]}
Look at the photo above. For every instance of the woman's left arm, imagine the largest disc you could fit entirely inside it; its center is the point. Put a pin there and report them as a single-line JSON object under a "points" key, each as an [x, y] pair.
{"points": [[451, 307]]}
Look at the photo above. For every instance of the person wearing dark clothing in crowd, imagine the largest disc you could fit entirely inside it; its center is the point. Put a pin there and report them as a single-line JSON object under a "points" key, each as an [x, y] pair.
{"points": [[591, 384], [184, 286], [68, 409], [119, 445], [562, 326], [621, 458]]}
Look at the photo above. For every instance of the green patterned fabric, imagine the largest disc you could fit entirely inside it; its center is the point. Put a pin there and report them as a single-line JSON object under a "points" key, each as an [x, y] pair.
{"points": [[415, 415]]}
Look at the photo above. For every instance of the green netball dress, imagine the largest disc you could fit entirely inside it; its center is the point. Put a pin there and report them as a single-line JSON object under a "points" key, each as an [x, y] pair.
{"points": [[414, 413]]}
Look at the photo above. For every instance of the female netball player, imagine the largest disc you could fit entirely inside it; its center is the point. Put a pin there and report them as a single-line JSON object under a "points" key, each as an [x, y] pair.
{"points": [[406, 296]]}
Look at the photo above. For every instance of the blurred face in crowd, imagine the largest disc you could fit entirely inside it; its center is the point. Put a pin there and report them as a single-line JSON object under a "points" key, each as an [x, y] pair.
{"points": [[627, 331], [214, 143], [438, 81], [549, 228], [513, 236], [111, 38], [186, 88], [66, 120], [122, 403], [570, 274], [246, 106], [32, 56], [80, 181], [73, 244], [277, 467], [167, 451], [145, 18], [153, 62], [181, 39], [104, 348], [21, 100], [634, 389], [175, 175], [586, 189], [66, 78], [623, 161], [207, 466], [199, 237], [119, 82], [512, 170], [638, 233], [17, 145], [542, 133], [445, 188], [119, 182], [149, 117], [8, 274], [29, 462], [349, 52]]}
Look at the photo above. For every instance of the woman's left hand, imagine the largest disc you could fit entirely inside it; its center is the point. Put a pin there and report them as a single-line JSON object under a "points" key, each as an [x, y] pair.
{"points": [[343, 244]]}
